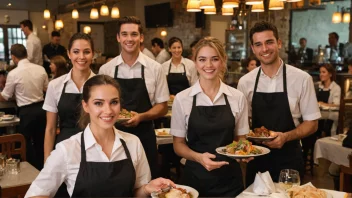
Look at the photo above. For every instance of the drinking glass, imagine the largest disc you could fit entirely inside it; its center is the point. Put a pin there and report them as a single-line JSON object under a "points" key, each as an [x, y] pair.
{"points": [[289, 178], [13, 166]]}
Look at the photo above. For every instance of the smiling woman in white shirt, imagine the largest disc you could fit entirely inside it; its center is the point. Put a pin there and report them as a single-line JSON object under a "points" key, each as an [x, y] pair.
{"points": [[205, 116], [101, 161], [181, 72]]}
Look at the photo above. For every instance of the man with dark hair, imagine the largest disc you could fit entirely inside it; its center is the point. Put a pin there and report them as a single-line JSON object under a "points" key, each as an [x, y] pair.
{"points": [[53, 49], [305, 54], [33, 44], [279, 97], [336, 48], [161, 55], [27, 82], [143, 86]]}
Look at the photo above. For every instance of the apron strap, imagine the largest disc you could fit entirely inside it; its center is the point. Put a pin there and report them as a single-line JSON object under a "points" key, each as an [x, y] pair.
{"points": [[83, 149], [284, 79], [63, 89], [116, 71], [226, 100], [142, 68], [184, 68], [126, 149], [169, 67], [194, 100], [256, 81]]}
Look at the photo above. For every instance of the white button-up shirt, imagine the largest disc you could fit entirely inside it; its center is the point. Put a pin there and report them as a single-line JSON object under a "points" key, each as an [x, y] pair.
{"points": [[27, 82], [191, 71], [182, 106], [34, 49], [300, 90], [64, 162], [54, 91], [155, 79], [148, 53], [335, 92], [163, 56]]}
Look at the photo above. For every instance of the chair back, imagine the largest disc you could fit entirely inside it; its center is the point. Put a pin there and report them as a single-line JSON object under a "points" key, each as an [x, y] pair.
{"points": [[9, 145]]}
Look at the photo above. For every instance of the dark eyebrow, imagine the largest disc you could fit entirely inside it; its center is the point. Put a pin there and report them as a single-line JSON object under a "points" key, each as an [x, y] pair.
{"points": [[97, 99], [115, 98]]}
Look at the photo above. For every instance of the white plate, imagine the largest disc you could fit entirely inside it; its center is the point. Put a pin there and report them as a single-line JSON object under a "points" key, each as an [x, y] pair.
{"points": [[8, 118], [260, 139], [221, 151], [191, 190], [163, 129], [121, 120]]}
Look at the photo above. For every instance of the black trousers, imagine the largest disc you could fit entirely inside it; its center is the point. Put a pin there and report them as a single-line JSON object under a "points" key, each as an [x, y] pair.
{"points": [[32, 126]]}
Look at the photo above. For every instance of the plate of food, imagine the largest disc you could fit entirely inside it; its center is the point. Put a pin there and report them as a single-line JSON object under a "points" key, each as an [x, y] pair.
{"points": [[7, 117], [242, 149], [164, 132], [261, 134], [124, 116], [307, 191], [180, 191]]}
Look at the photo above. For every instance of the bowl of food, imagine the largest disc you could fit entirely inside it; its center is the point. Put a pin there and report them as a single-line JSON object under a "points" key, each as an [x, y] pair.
{"points": [[180, 191], [8, 117], [164, 132]]}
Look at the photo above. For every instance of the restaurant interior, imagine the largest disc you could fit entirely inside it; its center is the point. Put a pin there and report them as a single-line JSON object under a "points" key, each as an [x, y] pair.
{"points": [[295, 19]]}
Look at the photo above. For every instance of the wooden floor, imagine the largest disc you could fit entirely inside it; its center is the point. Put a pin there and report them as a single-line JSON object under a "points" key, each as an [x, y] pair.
{"points": [[321, 177]]}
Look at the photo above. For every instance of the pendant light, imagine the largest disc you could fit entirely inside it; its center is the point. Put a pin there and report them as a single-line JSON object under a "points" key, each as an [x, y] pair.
{"points": [[46, 11], [276, 5], [227, 11], [254, 2], [336, 17], [346, 17], [75, 14], [104, 10], [258, 7], [115, 12], [94, 14], [210, 10], [291, 1], [193, 6], [59, 24], [230, 4], [207, 4], [87, 29]]}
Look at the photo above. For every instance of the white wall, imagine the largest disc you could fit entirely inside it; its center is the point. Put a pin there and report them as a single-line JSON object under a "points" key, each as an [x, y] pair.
{"points": [[218, 25], [16, 16], [315, 25]]}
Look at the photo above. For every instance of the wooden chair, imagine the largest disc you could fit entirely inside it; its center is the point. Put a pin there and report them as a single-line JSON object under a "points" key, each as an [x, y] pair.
{"points": [[10, 148], [345, 182]]}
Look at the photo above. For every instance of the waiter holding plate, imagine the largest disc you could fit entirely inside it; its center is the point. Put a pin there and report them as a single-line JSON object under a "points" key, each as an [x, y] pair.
{"points": [[208, 115], [278, 97]]}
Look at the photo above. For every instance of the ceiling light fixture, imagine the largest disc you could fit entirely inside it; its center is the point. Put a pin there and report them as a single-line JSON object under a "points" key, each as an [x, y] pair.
{"points": [[115, 12], [230, 3], [258, 7], [210, 10], [46, 11], [276, 5], [207, 4], [104, 10], [193, 6], [75, 14], [254, 2], [227, 11], [94, 14], [87, 29]]}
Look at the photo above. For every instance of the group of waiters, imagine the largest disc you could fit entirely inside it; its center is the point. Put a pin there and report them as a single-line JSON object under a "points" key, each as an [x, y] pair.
{"points": [[206, 114]]}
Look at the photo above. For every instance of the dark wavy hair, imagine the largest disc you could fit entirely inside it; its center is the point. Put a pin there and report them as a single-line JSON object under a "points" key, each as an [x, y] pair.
{"points": [[81, 36], [261, 27]]}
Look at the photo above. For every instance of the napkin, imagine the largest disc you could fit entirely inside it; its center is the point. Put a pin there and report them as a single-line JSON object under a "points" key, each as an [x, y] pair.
{"points": [[263, 184]]}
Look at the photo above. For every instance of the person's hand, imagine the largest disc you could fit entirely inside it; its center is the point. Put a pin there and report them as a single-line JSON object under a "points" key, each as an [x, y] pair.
{"points": [[157, 184], [245, 160], [134, 121], [207, 163], [278, 142]]}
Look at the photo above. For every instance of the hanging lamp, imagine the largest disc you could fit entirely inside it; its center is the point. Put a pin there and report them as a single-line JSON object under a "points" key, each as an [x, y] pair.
{"points": [[207, 4], [210, 11], [276, 5], [46, 11], [258, 7], [115, 12], [230, 4], [193, 6], [104, 10]]}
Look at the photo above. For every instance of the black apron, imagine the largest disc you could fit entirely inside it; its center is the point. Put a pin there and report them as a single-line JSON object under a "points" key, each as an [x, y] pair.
{"points": [[32, 127], [177, 82], [210, 127], [323, 96], [272, 110], [135, 97], [69, 108], [105, 179]]}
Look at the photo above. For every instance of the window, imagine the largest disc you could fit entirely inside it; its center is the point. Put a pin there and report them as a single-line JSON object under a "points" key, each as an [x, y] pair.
{"points": [[9, 35]]}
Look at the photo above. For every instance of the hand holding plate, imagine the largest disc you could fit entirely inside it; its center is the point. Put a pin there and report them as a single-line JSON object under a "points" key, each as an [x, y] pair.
{"points": [[278, 142], [134, 121]]}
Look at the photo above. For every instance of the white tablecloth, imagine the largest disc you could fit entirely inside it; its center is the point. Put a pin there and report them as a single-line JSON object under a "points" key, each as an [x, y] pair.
{"points": [[331, 115], [248, 193], [331, 150]]}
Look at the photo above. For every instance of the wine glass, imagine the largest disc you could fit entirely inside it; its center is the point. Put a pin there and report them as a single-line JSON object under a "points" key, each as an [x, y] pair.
{"points": [[289, 178]]}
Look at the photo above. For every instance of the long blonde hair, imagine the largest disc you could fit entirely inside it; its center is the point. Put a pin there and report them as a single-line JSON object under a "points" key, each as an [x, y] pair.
{"points": [[218, 47]]}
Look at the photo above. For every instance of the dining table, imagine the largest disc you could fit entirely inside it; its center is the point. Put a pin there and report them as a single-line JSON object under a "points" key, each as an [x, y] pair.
{"points": [[331, 148], [16, 185], [10, 125], [330, 113]]}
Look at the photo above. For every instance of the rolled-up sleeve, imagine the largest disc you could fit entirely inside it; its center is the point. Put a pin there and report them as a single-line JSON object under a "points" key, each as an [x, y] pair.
{"points": [[308, 101], [51, 176], [50, 103], [142, 168], [10, 86], [178, 120]]}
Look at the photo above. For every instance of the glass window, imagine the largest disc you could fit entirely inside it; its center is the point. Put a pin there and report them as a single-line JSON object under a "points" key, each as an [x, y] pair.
{"points": [[2, 47]]}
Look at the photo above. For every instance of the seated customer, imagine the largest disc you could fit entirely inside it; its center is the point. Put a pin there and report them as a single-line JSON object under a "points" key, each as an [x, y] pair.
{"points": [[101, 161], [58, 66], [251, 63], [328, 95]]}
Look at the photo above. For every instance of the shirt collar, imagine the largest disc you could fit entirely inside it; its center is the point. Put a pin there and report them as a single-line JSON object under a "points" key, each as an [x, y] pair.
{"points": [[22, 62], [90, 141], [183, 61], [69, 75], [224, 89], [140, 59], [279, 71]]}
